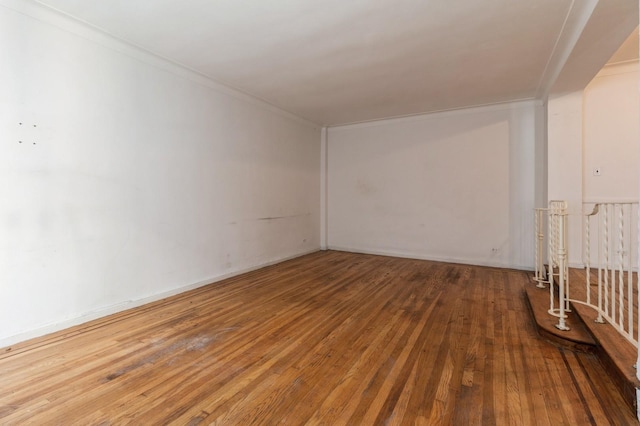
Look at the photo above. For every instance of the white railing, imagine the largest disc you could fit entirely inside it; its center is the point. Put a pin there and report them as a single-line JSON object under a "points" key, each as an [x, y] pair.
{"points": [[557, 276], [610, 252], [611, 248], [540, 274]]}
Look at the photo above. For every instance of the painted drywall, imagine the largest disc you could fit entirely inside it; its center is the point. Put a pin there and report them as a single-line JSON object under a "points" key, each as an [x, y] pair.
{"points": [[527, 177], [611, 107], [611, 134], [595, 129], [565, 128], [125, 177], [457, 186]]}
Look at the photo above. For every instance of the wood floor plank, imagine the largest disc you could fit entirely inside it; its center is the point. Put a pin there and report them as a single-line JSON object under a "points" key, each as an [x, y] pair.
{"points": [[329, 338]]}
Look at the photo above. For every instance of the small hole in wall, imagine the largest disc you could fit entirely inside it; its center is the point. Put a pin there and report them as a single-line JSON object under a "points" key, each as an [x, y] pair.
{"points": [[19, 141]]}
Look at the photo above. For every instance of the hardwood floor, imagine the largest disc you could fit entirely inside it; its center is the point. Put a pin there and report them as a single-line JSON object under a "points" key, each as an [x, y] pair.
{"points": [[328, 338]]}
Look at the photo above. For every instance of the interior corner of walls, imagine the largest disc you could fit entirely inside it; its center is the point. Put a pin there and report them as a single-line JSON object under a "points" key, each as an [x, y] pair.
{"points": [[324, 187]]}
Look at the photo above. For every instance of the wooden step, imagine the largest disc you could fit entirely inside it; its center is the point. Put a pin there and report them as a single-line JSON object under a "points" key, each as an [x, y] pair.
{"points": [[616, 354], [577, 338]]}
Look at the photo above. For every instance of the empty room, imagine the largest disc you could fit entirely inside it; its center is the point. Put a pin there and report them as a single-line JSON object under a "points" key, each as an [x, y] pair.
{"points": [[300, 212]]}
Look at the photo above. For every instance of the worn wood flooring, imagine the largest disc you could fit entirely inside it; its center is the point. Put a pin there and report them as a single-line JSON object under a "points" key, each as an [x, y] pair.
{"points": [[615, 352], [329, 338]]}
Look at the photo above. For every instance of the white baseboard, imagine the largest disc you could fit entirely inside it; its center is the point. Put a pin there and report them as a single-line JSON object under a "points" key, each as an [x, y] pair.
{"points": [[435, 258], [114, 309]]}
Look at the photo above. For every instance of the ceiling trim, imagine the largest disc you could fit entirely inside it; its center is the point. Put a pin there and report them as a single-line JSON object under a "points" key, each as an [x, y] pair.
{"points": [[574, 24], [521, 103], [48, 15], [624, 67]]}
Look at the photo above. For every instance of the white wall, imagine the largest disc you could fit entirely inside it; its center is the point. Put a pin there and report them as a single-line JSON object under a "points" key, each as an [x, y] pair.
{"points": [[596, 128], [565, 126], [141, 178], [611, 134], [456, 186], [611, 110]]}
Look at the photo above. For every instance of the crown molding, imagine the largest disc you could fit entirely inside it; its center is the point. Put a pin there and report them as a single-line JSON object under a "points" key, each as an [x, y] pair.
{"points": [[574, 24], [472, 109], [61, 20], [624, 67]]}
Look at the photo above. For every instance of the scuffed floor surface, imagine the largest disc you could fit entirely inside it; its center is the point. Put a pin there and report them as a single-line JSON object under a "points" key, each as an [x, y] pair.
{"points": [[329, 338]]}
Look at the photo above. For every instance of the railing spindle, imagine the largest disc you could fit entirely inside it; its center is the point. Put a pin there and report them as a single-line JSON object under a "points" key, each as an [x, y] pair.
{"points": [[630, 276], [621, 267], [562, 259], [605, 270], [540, 274], [587, 255], [600, 318]]}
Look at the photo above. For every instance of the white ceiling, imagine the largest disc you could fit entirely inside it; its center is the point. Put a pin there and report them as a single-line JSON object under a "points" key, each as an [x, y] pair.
{"points": [[343, 61]]}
